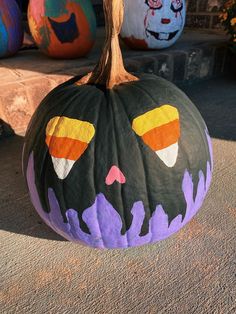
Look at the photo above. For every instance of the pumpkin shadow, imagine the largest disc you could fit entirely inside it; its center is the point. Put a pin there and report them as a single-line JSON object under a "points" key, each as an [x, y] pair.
{"points": [[5, 129], [215, 99], [17, 214]]}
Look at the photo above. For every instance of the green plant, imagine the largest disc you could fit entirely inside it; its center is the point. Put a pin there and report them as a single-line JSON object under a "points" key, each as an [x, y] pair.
{"points": [[228, 20]]}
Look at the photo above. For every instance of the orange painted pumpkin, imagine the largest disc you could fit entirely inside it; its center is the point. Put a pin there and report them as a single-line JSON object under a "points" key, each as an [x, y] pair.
{"points": [[62, 29]]}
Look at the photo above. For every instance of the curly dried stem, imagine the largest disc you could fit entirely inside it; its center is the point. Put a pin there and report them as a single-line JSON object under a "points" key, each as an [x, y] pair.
{"points": [[110, 69]]}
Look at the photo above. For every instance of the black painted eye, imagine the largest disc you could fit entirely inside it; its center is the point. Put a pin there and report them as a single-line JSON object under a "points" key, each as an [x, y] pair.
{"points": [[154, 4], [176, 5]]}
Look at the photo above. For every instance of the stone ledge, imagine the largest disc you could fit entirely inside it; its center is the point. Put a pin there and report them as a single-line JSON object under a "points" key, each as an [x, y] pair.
{"points": [[29, 76]]}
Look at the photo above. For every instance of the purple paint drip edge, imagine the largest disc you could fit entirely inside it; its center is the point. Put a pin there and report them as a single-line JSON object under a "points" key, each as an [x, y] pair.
{"points": [[104, 235]]}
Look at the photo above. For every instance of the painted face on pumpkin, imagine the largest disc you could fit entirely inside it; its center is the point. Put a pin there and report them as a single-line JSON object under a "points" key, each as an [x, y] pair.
{"points": [[124, 162], [164, 19], [158, 23], [67, 139]]}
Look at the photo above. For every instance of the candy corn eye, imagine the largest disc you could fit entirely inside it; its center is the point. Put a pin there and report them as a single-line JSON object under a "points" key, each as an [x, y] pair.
{"points": [[160, 130], [67, 139]]}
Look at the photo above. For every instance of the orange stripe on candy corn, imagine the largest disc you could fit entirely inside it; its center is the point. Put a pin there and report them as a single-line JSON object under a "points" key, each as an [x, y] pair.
{"points": [[154, 118], [64, 147], [162, 136]]}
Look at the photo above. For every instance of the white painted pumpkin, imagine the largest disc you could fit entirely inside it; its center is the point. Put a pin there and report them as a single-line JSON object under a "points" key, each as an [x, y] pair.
{"points": [[153, 24]]}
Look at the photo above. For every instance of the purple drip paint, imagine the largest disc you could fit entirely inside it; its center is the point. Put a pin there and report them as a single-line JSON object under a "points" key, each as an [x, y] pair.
{"points": [[108, 235]]}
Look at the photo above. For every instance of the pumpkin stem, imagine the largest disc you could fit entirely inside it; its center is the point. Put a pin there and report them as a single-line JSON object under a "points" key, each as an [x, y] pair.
{"points": [[110, 69]]}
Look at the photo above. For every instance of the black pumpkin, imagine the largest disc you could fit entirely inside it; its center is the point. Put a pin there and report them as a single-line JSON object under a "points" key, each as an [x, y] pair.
{"points": [[113, 160]]}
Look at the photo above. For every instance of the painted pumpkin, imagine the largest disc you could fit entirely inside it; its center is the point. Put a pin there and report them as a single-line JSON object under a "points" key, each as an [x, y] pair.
{"points": [[153, 24], [62, 29], [11, 29], [116, 161]]}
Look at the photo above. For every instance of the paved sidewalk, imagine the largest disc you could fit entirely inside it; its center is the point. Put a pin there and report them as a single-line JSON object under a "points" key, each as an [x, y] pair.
{"points": [[194, 271]]}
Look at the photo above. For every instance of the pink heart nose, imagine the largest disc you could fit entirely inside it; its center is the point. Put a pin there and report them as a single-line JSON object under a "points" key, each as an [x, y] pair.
{"points": [[115, 174]]}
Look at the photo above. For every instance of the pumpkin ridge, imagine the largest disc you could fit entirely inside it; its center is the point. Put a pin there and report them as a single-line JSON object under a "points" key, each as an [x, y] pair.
{"points": [[86, 93], [152, 208], [83, 93], [148, 207], [193, 112], [186, 108], [95, 162], [124, 220], [98, 219]]}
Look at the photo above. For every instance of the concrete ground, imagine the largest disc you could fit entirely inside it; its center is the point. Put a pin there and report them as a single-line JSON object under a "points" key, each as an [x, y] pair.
{"points": [[194, 271]]}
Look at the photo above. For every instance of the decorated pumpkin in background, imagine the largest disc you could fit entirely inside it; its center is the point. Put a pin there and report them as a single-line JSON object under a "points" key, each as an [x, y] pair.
{"points": [[114, 160], [153, 24], [62, 29], [11, 29]]}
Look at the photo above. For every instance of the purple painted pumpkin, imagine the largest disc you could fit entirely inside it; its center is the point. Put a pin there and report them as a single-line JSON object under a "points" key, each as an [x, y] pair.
{"points": [[11, 29]]}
